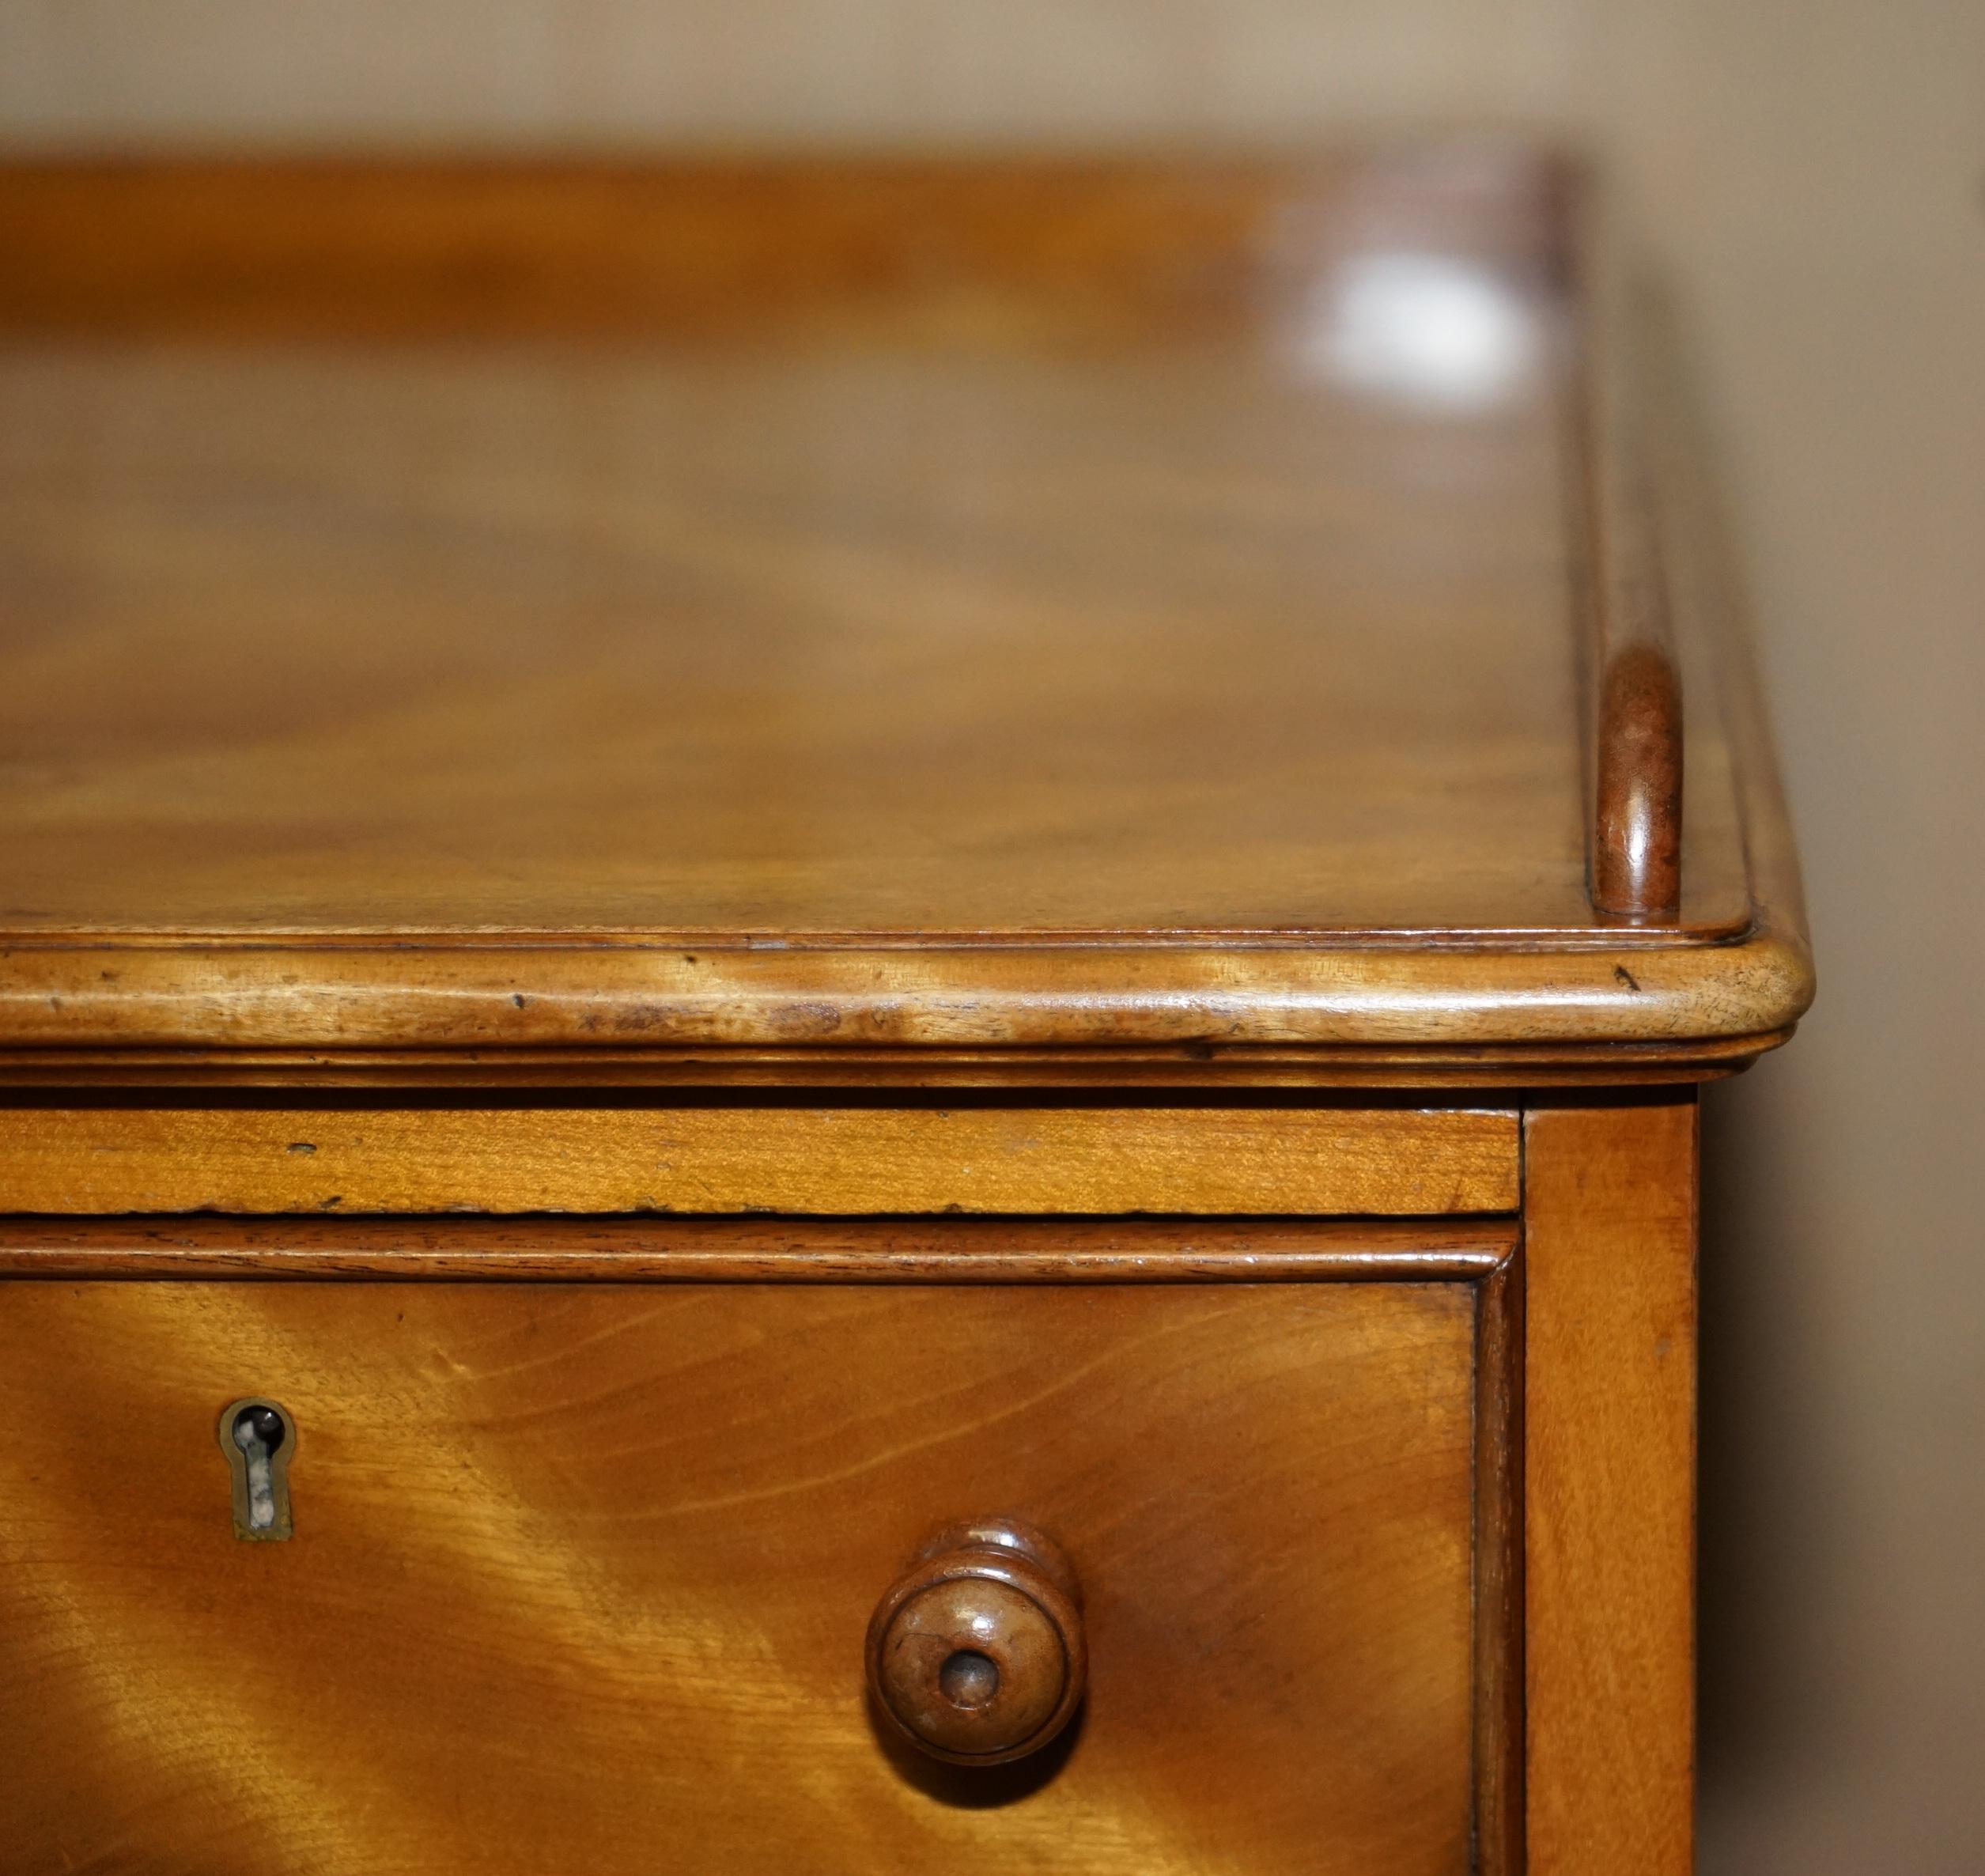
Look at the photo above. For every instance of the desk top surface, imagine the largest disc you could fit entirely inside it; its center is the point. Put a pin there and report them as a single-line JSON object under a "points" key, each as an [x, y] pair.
{"points": [[884, 605]]}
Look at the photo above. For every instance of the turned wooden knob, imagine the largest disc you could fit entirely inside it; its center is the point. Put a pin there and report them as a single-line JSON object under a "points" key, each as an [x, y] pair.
{"points": [[976, 1653]]}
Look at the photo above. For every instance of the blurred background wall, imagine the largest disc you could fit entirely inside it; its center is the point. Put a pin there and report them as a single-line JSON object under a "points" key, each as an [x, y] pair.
{"points": [[1813, 172]]}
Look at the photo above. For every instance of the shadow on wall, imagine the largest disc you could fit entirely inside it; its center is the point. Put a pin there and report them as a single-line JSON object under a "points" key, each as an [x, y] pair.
{"points": [[1761, 1638]]}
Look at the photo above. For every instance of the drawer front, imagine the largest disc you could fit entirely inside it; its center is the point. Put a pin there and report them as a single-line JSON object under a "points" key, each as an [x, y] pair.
{"points": [[607, 1156], [580, 1573]]}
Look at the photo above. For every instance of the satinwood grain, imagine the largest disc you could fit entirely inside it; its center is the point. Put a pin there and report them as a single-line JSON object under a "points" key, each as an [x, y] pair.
{"points": [[964, 607], [1609, 1432], [727, 1158], [581, 1574], [506, 645]]}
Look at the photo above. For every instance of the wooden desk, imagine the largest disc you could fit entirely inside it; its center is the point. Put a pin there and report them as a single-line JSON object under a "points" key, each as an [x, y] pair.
{"points": [[850, 1013]]}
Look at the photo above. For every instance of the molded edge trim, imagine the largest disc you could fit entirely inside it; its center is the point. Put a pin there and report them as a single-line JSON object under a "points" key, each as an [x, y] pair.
{"points": [[421, 998], [952, 1250]]}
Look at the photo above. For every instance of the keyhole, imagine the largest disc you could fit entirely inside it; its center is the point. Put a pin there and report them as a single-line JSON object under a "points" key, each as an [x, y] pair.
{"points": [[257, 1437], [258, 1430]]}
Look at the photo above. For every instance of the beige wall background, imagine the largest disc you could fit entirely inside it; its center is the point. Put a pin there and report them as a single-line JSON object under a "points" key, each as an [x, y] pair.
{"points": [[1813, 173]]}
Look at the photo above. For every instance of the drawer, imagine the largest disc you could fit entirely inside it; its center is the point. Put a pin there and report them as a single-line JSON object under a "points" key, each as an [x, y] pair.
{"points": [[603, 1153], [579, 1574]]}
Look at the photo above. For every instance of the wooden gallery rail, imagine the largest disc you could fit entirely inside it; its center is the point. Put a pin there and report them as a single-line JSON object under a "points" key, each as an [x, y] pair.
{"points": [[1633, 703]]}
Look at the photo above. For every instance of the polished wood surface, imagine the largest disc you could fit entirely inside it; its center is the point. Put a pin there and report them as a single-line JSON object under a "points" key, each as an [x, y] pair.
{"points": [[581, 1574], [608, 1156], [979, 732], [1609, 1432], [1082, 249], [961, 607]]}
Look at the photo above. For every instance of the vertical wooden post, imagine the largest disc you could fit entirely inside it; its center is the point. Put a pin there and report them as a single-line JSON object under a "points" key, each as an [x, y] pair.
{"points": [[1609, 1469]]}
